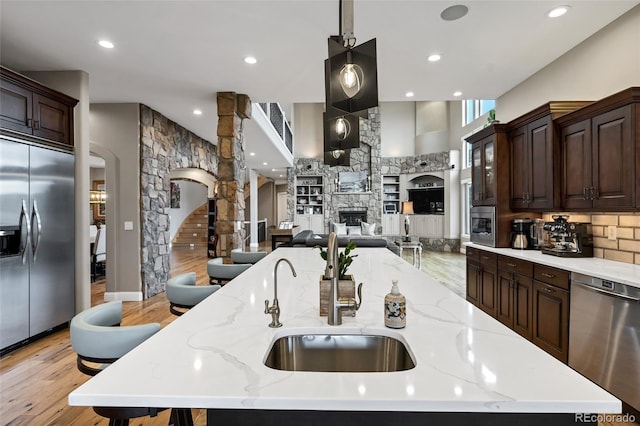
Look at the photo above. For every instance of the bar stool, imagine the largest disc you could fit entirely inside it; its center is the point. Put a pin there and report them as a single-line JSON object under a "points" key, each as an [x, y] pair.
{"points": [[184, 294], [221, 273]]}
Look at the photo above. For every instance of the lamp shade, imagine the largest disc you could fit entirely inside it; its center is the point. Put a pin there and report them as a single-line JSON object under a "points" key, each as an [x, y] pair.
{"points": [[407, 207]]}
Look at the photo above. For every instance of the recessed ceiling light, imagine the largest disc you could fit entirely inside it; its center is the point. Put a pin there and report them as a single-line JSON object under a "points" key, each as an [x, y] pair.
{"points": [[280, 175], [273, 170], [106, 44], [250, 60], [456, 94], [264, 164], [252, 154], [454, 12], [557, 11], [409, 94], [197, 112], [434, 58]]}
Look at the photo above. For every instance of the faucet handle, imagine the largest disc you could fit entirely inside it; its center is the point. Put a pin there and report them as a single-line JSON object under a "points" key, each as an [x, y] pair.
{"points": [[266, 306], [358, 301]]}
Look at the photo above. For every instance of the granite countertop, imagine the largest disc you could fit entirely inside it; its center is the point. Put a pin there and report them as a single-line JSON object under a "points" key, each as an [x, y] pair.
{"points": [[625, 273], [466, 361]]}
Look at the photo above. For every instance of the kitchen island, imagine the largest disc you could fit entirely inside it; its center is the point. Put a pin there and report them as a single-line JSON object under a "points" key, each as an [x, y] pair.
{"points": [[467, 364]]}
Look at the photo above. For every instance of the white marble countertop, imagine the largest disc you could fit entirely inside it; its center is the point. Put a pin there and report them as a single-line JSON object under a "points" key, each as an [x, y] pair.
{"points": [[466, 361], [625, 273]]}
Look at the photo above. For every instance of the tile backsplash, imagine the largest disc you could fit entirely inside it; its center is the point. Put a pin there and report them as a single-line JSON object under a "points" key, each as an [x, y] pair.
{"points": [[626, 245]]}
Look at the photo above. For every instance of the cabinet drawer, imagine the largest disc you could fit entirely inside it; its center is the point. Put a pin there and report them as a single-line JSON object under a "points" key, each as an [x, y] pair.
{"points": [[516, 266], [488, 261], [553, 276], [473, 254]]}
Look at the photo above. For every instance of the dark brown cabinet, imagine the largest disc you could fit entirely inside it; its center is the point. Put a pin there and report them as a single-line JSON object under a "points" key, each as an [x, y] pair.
{"points": [[600, 154], [482, 278], [489, 166], [515, 293], [534, 154], [551, 311], [30, 108], [532, 173]]}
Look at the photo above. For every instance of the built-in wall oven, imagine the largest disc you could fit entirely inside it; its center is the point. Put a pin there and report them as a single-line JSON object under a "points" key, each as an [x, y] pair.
{"points": [[604, 335], [483, 225]]}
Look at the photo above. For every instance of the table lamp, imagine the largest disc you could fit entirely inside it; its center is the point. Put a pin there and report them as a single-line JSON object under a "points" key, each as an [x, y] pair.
{"points": [[406, 210]]}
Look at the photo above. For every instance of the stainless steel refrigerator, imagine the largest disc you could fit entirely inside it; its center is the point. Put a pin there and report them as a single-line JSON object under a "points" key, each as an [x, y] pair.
{"points": [[37, 247]]}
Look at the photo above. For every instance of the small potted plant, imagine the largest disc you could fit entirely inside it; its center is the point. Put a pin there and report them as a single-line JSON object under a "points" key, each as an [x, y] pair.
{"points": [[346, 283]]}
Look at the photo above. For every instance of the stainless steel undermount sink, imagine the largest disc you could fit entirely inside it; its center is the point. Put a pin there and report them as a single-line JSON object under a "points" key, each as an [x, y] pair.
{"points": [[339, 353]]}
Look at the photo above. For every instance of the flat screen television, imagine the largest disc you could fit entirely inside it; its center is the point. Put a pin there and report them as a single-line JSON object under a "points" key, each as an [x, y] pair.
{"points": [[427, 200]]}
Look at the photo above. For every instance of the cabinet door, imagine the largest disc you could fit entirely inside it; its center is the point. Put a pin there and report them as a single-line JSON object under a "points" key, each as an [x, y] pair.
{"points": [[477, 174], [551, 319], [519, 157], [576, 154], [391, 224], [489, 169], [473, 280], [489, 291], [614, 160], [540, 171], [15, 107], [302, 221], [316, 223], [51, 119], [505, 290], [523, 306]]}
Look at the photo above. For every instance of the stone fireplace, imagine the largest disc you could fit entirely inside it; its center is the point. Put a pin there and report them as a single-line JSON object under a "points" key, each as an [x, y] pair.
{"points": [[352, 217]]}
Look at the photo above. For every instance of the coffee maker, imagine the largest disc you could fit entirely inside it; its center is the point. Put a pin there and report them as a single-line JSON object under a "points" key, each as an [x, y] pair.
{"points": [[521, 234], [568, 239]]}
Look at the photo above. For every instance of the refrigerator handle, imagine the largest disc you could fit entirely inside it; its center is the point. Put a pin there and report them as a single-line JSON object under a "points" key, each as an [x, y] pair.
{"points": [[35, 240], [27, 238]]}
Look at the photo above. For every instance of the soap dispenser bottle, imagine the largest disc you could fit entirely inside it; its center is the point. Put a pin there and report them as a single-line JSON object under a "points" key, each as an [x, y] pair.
{"points": [[395, 308]]}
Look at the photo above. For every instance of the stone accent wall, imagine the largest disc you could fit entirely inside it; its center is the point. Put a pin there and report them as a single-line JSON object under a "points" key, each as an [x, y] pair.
{"points": [[165, 146], [230, 205], [366, 158]]}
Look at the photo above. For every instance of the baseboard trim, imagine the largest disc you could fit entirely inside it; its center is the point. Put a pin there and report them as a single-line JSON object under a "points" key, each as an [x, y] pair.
{"points": [[125, 296]]}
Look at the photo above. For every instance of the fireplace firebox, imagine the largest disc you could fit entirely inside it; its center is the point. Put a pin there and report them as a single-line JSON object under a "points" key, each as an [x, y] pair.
{"points": [[352, 217]]}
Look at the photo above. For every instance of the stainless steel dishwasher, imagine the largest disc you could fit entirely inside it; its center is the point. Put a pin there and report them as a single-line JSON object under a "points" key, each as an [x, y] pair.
{"points": [[604, 335]]}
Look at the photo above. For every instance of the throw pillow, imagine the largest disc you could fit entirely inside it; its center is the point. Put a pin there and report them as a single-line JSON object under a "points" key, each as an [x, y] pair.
{"points": [[368, 228], [340, 228], [354, 231]]}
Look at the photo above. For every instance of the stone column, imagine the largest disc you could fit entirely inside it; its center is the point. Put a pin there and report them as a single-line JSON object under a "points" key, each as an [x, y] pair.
{"points": [[232, 109]]}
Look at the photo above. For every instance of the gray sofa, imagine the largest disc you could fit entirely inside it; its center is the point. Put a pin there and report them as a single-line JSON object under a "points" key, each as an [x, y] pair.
{"points": [[307, 238]]}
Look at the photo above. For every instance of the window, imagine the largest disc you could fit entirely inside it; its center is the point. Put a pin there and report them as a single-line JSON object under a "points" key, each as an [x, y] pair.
{"points": [[474, 108]]}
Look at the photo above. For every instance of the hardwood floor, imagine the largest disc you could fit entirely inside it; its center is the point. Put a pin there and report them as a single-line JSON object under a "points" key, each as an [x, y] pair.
{"points": [[36, 379]]}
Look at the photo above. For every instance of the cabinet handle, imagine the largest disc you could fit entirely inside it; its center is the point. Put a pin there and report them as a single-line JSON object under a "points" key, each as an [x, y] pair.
{"points": [[591, 192], [511, 265], [584, 193], [36, 124], [548, 290], [544, 274], [29, 122]]}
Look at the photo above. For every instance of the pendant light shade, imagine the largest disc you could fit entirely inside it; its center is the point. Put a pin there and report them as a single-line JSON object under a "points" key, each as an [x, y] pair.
{"points": [[353, 77], [338, 157], [341, 132]]}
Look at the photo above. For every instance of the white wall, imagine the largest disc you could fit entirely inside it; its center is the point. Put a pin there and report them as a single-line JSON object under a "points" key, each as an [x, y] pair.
{"points": [[192, 196], [397, 129], [605, 63]]}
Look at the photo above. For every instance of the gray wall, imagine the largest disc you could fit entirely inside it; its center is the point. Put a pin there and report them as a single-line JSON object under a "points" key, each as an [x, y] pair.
{"points": [[115, 133]]}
